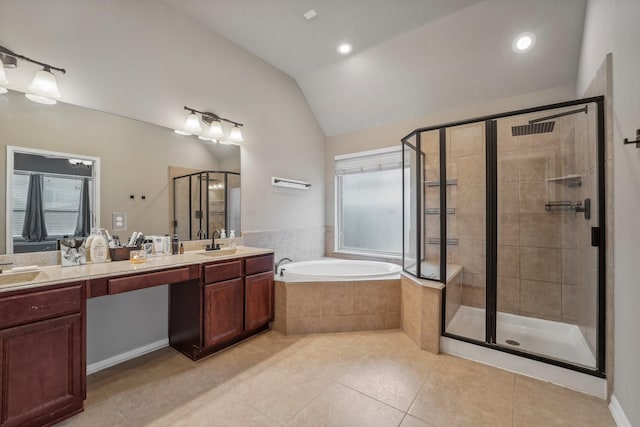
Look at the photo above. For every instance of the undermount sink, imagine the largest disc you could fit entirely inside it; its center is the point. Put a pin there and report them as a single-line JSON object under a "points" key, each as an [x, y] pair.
{"points": [[9, 278], [220, 252]]}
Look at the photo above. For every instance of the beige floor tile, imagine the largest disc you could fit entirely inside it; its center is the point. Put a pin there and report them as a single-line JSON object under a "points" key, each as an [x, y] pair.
{"points": [[226, 411], [340, 406], [559, 405], [388, 381], [103, 414], [459, 392], [410, 421]]}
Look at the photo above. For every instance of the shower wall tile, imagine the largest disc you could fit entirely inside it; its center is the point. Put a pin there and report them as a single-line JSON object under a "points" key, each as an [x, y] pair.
{"points": [[569, 303], [471, 199], [541, 264], [534, 196], [541, 299], [470, 170], [569, 266], [508, 294], [536, 165], [466, 140], [508, 229], [509, 261], [540, 230], [508, 167], [509, 198]]}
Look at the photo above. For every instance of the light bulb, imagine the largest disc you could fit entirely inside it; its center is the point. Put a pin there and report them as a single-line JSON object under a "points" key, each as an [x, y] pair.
{"points": [[43, 88], [344, 49], [236, 134], [192, 124], [181, 132], [215, 129]]}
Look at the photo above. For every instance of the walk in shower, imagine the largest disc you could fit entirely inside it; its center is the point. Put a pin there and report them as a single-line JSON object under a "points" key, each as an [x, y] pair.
{"points": [[516, 199], [204, 202]]}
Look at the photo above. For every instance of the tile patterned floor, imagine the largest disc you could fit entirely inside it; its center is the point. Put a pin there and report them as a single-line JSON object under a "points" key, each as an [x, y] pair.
{"points": [[350, 379]]}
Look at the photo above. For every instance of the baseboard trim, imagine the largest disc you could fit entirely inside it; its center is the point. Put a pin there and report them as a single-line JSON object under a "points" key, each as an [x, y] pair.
{"points": [[122, 357], [618, 414]]}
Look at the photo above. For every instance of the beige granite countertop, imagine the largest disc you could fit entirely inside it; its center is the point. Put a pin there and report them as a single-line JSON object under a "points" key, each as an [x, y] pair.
{"points": [[51, 275]]}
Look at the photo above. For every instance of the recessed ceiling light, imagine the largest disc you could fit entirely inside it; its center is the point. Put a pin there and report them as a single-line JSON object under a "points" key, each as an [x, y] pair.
{"points": [[344, 48], [523, 42], [310, 15]]}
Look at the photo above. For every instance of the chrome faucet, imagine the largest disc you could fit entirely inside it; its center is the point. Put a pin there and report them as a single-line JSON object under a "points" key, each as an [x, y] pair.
{"points": [[280, 261], [214, 246]]}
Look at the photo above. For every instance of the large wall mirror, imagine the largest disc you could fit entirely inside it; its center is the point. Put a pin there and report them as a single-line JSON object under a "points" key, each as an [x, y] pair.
{"points": [[133, 164]]}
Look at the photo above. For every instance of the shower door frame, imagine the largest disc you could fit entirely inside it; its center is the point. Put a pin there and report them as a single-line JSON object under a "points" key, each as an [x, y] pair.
{"points": [[491, 186]]}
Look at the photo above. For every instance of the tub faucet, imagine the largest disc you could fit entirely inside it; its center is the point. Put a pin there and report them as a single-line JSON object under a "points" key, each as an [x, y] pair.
{"points": [[214, 246], [3, 264], [280, 261]]}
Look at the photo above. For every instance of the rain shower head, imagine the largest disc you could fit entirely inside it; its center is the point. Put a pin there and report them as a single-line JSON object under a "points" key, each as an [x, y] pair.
{"points": [[539, 125], [532, 128]]}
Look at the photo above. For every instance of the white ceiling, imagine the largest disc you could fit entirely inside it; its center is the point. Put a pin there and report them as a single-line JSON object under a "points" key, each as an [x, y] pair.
{"points": [[411, 57]]}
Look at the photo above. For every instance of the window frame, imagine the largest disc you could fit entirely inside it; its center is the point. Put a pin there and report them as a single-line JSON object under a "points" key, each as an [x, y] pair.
{"points": [[338, 238]]}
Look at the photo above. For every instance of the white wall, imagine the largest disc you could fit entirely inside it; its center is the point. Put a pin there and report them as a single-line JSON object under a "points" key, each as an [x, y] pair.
{"points": [[611, 26], [144, 60]]}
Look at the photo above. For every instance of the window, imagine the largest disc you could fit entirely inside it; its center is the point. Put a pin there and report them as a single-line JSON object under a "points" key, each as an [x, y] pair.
{"points": [[369, 202], [61, 199]]}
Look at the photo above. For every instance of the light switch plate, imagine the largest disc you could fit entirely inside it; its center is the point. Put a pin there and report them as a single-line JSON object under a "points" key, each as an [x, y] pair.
{"points": [[118, 221]]}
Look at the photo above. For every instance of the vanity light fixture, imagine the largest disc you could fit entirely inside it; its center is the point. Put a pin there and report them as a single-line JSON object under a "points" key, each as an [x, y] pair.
{"points": [[193, 126], [43, 88]]}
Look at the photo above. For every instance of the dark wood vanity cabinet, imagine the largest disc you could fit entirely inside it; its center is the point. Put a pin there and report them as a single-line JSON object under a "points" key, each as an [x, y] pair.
{"points": [[233, 301], [42, 362], [258, 300], [223, 303]]}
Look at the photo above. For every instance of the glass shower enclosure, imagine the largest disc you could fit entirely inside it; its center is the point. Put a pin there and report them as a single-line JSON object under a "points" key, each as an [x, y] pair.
{"points": [[506, 210], [204, 202]]}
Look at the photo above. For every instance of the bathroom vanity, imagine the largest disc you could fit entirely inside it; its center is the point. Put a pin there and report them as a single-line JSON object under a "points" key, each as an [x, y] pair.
{"points": [[216, 299]]}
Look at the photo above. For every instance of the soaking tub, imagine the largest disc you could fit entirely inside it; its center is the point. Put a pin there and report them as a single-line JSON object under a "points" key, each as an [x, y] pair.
{"points": [[338, 269]]}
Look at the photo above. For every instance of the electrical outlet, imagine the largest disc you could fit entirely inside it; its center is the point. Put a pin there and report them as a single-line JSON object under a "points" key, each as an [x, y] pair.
{"points": [[118, 221]]}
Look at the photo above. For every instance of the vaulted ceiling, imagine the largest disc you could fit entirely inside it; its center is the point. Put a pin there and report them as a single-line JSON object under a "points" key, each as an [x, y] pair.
{"points": [[410, 58]]}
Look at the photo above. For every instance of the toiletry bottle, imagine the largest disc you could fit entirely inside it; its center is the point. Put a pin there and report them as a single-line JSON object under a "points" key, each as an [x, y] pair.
{"points": [[175, 246], [181, 248], [223, 234], [99, 247], [87, 244], [232, 236]]}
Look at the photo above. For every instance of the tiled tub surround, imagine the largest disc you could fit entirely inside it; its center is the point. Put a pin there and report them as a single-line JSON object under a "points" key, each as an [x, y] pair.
{"points": [[336, 306], [299, 244]]}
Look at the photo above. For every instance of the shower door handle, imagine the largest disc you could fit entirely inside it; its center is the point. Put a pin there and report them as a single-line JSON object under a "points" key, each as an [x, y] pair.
{"points": [[586, 208]]}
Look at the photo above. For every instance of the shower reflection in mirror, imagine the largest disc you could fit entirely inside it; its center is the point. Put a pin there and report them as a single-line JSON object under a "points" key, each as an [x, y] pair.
{"points": [[50, 195]]}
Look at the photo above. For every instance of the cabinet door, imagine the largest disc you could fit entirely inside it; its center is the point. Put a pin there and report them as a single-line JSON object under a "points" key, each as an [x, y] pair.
{"points": [[222, 311], [259, 300], [41, 371]]}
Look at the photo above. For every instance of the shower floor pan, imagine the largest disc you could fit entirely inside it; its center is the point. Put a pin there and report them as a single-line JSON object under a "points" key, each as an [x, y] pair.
{"points": [[555, 340]]}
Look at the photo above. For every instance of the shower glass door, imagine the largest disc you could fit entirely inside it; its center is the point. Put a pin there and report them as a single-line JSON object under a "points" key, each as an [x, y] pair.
{"points": [[465, 222], [547, 284]]}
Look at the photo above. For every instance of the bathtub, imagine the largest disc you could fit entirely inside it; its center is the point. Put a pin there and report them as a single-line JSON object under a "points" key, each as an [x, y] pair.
{"points": [[338, 269]]}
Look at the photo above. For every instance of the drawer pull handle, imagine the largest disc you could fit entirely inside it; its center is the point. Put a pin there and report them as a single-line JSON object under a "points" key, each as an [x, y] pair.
{"points": [[37, 307]]}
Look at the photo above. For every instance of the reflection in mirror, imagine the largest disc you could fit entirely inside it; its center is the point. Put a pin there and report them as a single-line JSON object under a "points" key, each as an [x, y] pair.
{"points": [[50, 195], [204, 202]]}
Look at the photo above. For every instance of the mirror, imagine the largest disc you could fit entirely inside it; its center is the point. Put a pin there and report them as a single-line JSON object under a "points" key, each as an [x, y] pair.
{"points": [[137, 159]]}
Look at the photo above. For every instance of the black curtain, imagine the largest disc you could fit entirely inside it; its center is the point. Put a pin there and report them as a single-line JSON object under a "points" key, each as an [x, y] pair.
{"points": [[83, 225], [34, 228]]}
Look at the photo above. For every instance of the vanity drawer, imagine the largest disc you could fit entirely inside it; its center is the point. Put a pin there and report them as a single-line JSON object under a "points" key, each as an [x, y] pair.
{"points": [[38, 305], [141, 281], [259, 264], [222, 271]]}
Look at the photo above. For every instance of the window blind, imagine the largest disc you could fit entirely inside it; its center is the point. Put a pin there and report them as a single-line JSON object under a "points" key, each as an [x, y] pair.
{"points": [[368, 161]]}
